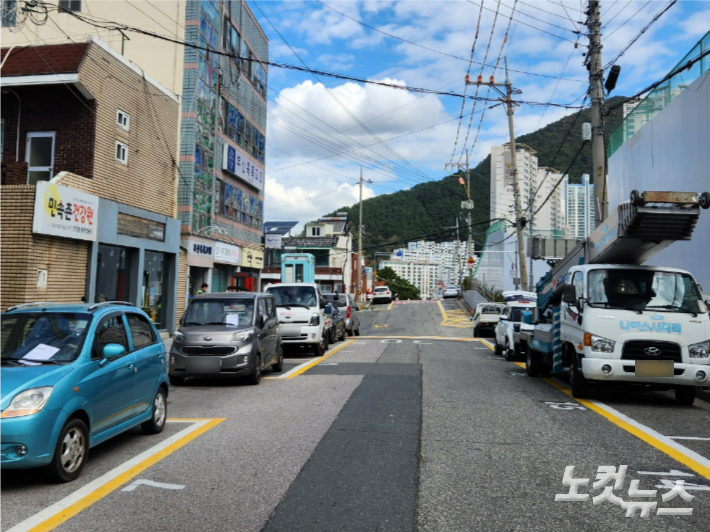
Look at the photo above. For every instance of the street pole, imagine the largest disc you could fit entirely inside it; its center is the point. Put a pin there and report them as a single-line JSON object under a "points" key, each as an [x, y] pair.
{"points": [[470, 219], [359, 242], [507, 99], [596, 93]]}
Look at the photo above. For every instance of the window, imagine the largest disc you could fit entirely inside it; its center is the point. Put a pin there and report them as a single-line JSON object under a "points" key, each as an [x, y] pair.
{"points": [[141, 331], [262, 307], [315, 231], [121, 153], [70, 5], [110, 331], [39, 157], [9, 13], [122, 119]]}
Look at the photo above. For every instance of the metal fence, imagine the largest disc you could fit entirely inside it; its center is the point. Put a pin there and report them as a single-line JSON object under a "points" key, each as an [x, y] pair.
{"points": [[660, 97]]}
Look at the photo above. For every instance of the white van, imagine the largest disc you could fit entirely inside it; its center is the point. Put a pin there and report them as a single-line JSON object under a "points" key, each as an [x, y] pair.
{"points": [[485, 318], [301, 319]]}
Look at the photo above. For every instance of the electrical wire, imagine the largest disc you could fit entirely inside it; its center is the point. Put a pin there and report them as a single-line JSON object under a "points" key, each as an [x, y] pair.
{"points": [[584, 143], [627, 20]]}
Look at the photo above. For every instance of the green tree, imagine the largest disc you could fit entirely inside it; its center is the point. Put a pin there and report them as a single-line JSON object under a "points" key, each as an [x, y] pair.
{"points": [[401, 287]]}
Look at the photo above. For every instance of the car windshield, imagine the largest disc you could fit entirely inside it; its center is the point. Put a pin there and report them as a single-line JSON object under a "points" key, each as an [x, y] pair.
{"points": [[294, 296], [32, 338], [644, 290], [228, 311]]}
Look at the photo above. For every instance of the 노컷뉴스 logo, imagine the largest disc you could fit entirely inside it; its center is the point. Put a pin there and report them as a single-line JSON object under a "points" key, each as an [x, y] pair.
{"points": [[610, 479]]}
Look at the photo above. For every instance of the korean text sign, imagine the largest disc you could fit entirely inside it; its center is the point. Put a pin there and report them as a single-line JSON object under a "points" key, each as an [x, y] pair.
{"points": [[63, 211], [238, 164]]}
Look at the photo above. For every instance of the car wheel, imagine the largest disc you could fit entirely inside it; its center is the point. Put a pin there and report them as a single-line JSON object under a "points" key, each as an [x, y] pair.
{"points": [[321, 347], [508, 352], [685, 395], [156, 423], [255, 376], [343, 335], [176, 381], [532, 362], [580, 388], [357, 332], [71, 452], [279, 366]]}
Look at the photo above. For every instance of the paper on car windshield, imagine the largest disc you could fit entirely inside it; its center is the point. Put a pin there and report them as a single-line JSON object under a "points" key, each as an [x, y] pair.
{"points": [[232, 319], [41, 352]]}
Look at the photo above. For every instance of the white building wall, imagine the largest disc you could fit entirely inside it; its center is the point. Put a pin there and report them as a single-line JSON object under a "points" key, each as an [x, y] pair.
{"points": [[670, 153], [502, 201]]}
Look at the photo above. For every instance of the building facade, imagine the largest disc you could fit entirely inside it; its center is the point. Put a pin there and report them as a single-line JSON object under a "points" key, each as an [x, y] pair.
{"points": [[421, 274], [329, 240], [450, 259], [579, 201], [502, 194], [88, 181], [221, 190], [550, 220]]}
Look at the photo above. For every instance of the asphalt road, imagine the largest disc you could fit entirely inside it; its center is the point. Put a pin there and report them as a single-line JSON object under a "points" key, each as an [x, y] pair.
{"points": [[414, 425]]}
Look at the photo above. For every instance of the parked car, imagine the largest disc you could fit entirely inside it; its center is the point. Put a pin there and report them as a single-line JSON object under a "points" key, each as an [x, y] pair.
{"points": [[486, 317], [348, 308], [382, 294], [74, 376], [451, 291], [337, 330], [300, 312], [510, 322], [227, 334]]}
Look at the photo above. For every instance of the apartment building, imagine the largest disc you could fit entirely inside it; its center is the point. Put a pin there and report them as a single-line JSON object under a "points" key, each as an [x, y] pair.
{"points": [[421, 274], [502, 194], [89, 147], [449, 257], [550, 220], [579, 202]]}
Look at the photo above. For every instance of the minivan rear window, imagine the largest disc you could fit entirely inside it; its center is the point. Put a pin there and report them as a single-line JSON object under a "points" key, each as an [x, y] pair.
{"points": [[341, 300]]}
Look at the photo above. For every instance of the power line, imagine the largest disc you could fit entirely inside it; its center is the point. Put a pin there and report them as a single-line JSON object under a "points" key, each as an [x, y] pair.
{"points": [[584, 143], [640, 33], [627, 20]]}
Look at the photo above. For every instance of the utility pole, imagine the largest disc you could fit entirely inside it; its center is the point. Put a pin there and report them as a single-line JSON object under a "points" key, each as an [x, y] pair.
{"points": [[359, 242], [596, 92], [507, 98], [468, 204]]}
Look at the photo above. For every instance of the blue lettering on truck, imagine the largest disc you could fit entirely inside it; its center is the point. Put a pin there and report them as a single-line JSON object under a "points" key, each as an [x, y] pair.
{"points": [[642, 326]]}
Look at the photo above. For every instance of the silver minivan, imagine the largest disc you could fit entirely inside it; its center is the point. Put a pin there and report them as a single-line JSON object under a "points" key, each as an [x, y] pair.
{"points": [[227, 334], [348, 308]]}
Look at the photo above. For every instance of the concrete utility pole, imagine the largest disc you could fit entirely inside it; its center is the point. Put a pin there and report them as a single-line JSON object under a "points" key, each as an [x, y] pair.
{"points": [[468, 204], [359, 242], [507, 99], [596, 93]]}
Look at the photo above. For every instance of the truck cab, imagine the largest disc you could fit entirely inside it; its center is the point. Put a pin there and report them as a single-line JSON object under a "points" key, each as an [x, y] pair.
{"points": [[635, 324]]}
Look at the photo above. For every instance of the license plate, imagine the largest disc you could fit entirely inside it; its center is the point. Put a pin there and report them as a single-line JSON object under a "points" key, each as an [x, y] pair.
{"points": [[654, 368], [204, 364]]}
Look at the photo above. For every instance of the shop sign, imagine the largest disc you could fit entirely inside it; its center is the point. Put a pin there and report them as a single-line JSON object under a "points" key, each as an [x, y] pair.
{"points": [[63, 211], [272, 241], [236, 163], [226, 253], [198, 248]]}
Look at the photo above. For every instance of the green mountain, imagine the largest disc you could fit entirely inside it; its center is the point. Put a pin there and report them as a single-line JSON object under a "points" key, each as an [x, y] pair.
{"points": [[421, 212]]}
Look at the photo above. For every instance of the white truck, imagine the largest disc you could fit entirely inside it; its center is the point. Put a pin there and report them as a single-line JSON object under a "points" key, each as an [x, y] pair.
{"points": [[609, 319]]}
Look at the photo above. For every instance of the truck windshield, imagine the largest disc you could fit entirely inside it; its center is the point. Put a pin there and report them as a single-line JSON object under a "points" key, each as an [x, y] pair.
{"points": [[294, 296], [644, 290]]}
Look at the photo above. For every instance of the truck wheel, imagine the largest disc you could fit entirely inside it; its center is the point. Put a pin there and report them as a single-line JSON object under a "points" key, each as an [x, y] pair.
{"points": [[580, 388], [508, 352], [532, 362], [476, 332], [498, 349], [704, 200], [685, 395]]}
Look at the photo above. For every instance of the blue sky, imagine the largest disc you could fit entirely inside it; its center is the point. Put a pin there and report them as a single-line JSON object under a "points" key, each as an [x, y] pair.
{"points": [[321, 130]]}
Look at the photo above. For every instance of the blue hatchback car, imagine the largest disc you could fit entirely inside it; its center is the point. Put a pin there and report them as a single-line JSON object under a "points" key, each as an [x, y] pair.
{"points": [[74, 376]]}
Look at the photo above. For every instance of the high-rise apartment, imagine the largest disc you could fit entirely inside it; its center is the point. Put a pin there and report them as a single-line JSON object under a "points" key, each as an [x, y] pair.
{"points": [[502, 193], [579, 201]]}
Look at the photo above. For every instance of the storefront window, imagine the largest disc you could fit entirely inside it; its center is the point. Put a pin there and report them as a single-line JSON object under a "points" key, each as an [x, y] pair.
{"points": [[113, 276], [155, 288]]}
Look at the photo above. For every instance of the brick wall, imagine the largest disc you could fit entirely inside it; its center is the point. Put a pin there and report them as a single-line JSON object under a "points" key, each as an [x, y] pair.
{"points": [[14, 173], [22, 254], [51, 108], [149, 180]]}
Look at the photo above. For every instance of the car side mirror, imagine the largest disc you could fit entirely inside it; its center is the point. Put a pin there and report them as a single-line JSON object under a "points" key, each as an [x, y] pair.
{"points": [[569, 294], [263, 319], [323, 304], [112, 351]]}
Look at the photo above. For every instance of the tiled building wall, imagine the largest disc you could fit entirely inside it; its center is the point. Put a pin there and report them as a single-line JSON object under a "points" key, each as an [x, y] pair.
{"points": [[23, 254], [149, 179]]}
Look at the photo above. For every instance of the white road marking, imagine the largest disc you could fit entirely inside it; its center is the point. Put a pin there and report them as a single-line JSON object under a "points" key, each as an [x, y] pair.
{"points": [[666, 483], [688, 438], [671, 473], [92, 486], [146, 482], [654, 434], [564, 406]]}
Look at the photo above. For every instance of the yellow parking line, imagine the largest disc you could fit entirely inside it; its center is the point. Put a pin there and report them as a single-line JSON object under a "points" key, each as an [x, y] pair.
{"points": [[87, 499], [653, 441], [319, 360]]}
